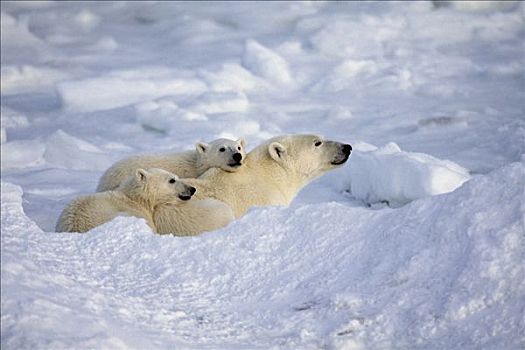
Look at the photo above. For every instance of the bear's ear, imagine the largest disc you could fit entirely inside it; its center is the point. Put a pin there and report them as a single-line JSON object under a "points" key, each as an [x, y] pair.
{"points": [[201, 147], [277, 151], [141, 174], [241, 142]]}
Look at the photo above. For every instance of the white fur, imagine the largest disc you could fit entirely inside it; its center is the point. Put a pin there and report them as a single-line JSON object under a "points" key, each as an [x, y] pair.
{"points": [[190, 219], [273, 173], [137, 196], [189, 164]]}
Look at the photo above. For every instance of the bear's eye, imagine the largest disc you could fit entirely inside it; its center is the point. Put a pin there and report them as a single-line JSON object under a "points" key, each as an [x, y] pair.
{"points": [[239, 148], [318, 143], [172, 181], [222, 149]]}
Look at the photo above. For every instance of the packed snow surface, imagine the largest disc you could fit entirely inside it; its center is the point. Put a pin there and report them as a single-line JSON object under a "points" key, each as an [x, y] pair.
{"points": [[416, 243]]}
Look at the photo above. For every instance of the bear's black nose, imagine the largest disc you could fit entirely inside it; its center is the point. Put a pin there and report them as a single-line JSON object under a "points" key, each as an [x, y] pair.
{"points": [[347, 149], [237, 157], [193, 190]]}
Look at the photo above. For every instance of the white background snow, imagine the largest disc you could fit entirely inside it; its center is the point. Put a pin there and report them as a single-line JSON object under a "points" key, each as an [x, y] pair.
{"points": [[416, 243]]}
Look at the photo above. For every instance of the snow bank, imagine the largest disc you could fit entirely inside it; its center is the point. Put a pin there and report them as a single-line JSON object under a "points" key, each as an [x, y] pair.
{"points": [[22, 153], [388, 174], [477, 5], [15, 34], [59, 150], [366, 37], [16, 79], [162, 114], [346, 75], [166, 114], [266, 63], [121, 89], [448, 268], [442, 272], [230, 77], [220, 102], [69, 152], [10, 119]]}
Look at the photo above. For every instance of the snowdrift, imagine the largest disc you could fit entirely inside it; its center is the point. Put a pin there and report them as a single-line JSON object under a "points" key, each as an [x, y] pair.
{"points": [[390, 175], [441, 272], [87, 83]]}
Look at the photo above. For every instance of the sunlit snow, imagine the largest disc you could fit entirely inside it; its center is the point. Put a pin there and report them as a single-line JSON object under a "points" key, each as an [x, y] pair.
{"points": [[416, 243]]}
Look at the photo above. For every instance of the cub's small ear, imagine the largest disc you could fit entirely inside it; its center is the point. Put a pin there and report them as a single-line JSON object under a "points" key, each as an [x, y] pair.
{"points": [[141, 174], [277, 151], [242, 142], [201, 147]]}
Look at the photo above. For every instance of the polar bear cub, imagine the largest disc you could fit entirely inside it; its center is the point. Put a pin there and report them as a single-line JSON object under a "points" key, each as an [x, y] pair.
{"points": [[155, 195], [137, 196], [226, 154]]}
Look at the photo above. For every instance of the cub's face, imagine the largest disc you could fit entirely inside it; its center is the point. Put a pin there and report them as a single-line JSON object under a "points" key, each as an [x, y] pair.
{"points": [[226, 154], [308, 156], [163, 186]]}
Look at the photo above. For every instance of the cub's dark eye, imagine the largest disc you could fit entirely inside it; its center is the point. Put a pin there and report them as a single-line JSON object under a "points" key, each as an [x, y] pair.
{"points": [[318, 143], [222, 149], [172, 181], [239, 148]]}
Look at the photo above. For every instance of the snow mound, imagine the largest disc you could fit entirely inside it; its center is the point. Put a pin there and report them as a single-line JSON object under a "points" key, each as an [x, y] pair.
{"points": [[166, 114], [220, 102], [16, 79], [266, 63], [382, 272], [69, 152], [59, 150], [22, 153], [15, 33], [388, 174], [230, 77], [162, 114], [123, 88], [10, 119], [477, 6], [364, 38], [346, 75]]}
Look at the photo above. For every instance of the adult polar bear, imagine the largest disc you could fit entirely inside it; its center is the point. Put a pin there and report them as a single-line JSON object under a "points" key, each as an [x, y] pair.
{"points": [[273, 173]]}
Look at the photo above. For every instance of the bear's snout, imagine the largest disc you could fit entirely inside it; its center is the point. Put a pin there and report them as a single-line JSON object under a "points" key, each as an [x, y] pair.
{"points": [[188, 193], [342, 154], [185, 198], [237, 157]]}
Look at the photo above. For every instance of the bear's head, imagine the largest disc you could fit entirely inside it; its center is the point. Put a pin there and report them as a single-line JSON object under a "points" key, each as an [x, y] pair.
{"points": [[226, 154], [160, 186], [307, 156]]}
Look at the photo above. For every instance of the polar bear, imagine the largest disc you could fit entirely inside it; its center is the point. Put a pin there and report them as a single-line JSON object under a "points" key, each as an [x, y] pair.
{"points": [[193, 218], [140, 195], [273, 173], [136, 196], [221, 153]]}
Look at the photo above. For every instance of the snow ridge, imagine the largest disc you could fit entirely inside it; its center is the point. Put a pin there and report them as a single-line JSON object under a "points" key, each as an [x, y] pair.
{"points": [[365, 283]]}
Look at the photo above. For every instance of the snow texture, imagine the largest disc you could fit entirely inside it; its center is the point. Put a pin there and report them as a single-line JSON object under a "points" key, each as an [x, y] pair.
{"points": [[416, 243], [391, 175]]}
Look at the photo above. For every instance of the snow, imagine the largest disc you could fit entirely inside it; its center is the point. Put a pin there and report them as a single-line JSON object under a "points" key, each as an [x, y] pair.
{"points": [[417, 242], [122, 89], [388, 174], [266, 63], [442, 267]]}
